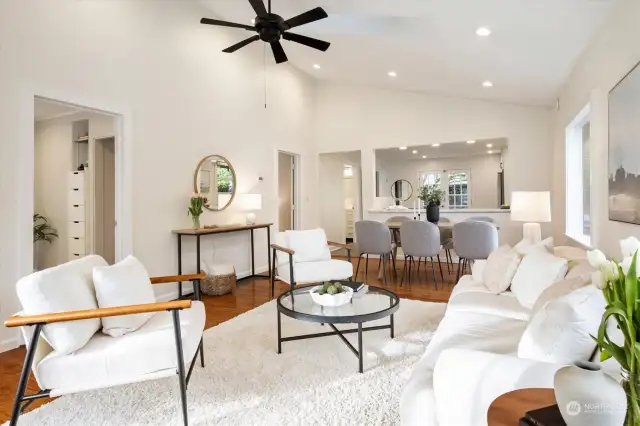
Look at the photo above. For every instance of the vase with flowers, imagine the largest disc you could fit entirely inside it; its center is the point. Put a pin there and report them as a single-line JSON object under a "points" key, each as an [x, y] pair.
{"points": [[619, 284], [196, 205], [431, 195]]}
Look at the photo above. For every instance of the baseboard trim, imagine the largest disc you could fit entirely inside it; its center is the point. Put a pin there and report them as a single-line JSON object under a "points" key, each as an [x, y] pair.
{"points": [[8, 344], [173, 294]]}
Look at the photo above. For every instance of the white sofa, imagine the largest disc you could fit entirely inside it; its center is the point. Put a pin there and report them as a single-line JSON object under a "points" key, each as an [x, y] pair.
{"points": [[473, 359]]}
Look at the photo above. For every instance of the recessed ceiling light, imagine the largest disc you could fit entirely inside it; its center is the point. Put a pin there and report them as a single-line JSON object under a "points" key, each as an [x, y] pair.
{"points": [[471, 142], [316, 66], [489, 145], [489, 152], [402, 148], [414, 151], [424, 156], [483, 31], [487, 84], [392, 74], [436, 145]]}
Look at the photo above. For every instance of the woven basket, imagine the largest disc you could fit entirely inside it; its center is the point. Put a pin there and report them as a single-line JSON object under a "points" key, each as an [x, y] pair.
{"points": [[217, 285]]}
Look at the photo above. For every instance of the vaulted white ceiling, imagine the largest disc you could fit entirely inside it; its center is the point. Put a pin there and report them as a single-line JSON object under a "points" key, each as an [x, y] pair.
{"points": [[433, 46]]}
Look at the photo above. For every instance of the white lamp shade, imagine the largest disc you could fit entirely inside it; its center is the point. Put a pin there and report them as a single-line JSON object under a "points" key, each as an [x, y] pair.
{"points": [[531, 206], [250, 202]]}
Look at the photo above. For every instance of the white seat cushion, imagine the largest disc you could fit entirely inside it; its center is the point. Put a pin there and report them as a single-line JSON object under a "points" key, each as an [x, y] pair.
{"points": [[309, 246], [125, 283], [67, 287], [471, 296], [106, 360], [313, 272]]}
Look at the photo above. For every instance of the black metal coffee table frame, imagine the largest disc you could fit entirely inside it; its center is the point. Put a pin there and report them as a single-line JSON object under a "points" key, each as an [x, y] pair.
{"points": [[394, 304]]}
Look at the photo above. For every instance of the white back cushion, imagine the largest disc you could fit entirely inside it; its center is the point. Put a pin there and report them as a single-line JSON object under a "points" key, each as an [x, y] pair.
{"points": [[560, 332], [536, 272], [525, 246], [125, 283], [500, 268], [310, 246], [67, 287]]}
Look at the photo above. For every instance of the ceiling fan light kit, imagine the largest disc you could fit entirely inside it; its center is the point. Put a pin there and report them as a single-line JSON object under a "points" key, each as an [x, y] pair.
{"points": [[272, 28]]}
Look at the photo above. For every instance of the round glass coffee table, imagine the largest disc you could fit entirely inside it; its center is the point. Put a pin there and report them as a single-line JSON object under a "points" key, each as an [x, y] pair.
{"points": [[368, 304]]}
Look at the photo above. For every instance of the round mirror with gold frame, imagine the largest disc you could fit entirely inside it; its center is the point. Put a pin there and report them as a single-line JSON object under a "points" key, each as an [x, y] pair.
{"points": [[215, 179]]}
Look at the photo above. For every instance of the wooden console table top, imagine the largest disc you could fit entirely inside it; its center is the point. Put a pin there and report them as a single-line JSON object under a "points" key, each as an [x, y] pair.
{"points": [[221, 229], [508, 409]]}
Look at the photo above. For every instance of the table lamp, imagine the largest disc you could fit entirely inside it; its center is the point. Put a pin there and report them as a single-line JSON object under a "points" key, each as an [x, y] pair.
{"points": [[531, 208], [251, 203]]}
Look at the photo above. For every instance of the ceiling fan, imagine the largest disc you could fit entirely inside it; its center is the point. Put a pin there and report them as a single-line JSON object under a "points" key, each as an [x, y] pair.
{"points": [[271, 28]]}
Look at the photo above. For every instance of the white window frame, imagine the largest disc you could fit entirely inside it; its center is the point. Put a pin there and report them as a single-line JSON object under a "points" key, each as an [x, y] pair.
{"points": [[444, 184], [574, 187]]}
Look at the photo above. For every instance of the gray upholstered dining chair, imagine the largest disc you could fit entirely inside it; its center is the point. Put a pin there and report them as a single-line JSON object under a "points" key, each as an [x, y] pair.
{"points": [[395, 233], [481, 219], [375, 238], [421, 239], [447, 245], [473, 240]]}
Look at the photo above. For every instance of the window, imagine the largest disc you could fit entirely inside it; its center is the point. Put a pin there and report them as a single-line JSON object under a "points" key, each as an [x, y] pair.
{"points": [[578, 178], [454, 183]]}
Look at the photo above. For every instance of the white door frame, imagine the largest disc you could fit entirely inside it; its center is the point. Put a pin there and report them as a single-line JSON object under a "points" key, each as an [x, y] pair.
{"points": [[295, 216], [123, 144]]}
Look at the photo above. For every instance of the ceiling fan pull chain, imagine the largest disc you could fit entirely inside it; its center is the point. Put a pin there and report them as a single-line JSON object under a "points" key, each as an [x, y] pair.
{"points": [[269, 6]]}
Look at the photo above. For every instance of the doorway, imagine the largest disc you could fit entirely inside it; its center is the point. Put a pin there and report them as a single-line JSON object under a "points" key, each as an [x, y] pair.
{"points": [[75, 183], [287, 191]]}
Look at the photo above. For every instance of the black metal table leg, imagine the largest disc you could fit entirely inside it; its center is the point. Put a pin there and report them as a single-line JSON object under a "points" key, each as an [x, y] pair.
{"points": [[179, 265], [269, 250], [279, 335], [393, 331], [360, 355], [180, 359], [253, 257], [24, 376]]}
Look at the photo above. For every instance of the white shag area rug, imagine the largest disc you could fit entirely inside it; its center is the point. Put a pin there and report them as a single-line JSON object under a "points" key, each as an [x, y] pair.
{"points": [[245, 382]]}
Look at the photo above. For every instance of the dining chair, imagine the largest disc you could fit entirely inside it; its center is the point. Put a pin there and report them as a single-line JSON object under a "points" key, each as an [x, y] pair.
{"points": [[421, 239], [395, 233], [447, 245], [482, 219], [473, 240], [375, 238]]}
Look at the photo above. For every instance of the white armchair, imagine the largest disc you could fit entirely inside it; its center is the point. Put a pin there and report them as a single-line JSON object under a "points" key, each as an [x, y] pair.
{"points": [[155, 350], [303, 257]]}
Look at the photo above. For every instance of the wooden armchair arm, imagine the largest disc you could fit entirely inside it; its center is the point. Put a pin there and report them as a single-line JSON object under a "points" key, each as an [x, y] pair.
{"points": [[178, 278], [344, 246], [20, 321], [282, 249]]}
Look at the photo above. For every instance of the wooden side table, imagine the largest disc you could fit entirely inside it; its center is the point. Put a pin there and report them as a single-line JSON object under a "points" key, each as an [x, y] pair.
{"points": [[508, 409]]}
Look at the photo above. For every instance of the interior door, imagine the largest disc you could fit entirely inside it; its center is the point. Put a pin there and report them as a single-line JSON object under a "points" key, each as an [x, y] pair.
{"points": [[285, 192]]}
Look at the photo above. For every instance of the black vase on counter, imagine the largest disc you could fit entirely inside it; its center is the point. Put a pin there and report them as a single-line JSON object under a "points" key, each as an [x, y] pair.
{"points": [[433, 213]]}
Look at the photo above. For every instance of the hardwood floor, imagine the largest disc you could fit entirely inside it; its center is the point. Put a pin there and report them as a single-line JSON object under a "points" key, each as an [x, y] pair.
{"points": [[250, 294]]}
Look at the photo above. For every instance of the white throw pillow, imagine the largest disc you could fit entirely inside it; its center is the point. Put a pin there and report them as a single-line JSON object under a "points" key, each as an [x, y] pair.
{"points": [[537, 271], [125, 283], [559, 289], [67, 287], [500, 268], [561, 331], [525, 247], [309, 246]]}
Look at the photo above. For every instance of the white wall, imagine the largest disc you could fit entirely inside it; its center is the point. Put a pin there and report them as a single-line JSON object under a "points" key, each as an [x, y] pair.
{"points": [[331, 196], [483, 171], [183, 99], [365, 119], [607, 60]]}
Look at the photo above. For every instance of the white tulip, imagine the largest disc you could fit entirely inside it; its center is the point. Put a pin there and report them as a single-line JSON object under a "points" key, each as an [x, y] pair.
{"points": [[598, 280], [626, 265], [597, 259], [629, 246], [611, 272]]}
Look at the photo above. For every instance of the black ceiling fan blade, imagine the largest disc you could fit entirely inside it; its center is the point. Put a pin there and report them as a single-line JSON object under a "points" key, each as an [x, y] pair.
{"points": [[278, 52], [258, 7], [242, 44], [208, 21], [311, 16], [307, 41]]}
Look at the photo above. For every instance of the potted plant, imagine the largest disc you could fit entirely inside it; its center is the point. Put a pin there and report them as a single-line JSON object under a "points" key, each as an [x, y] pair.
{"points": [[42, 231], [619, 284], [431, 195], [196, 205]]}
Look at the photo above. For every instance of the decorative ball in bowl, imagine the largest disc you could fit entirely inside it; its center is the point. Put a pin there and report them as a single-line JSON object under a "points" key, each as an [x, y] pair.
{"points": [[331, 293]]}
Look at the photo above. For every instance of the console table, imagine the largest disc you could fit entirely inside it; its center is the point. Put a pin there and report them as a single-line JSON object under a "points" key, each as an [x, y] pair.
{"points": [[223, 229]]}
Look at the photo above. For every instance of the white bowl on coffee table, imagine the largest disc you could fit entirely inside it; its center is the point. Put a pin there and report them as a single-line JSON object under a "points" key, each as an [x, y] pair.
{"points": [[332, 300]]}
